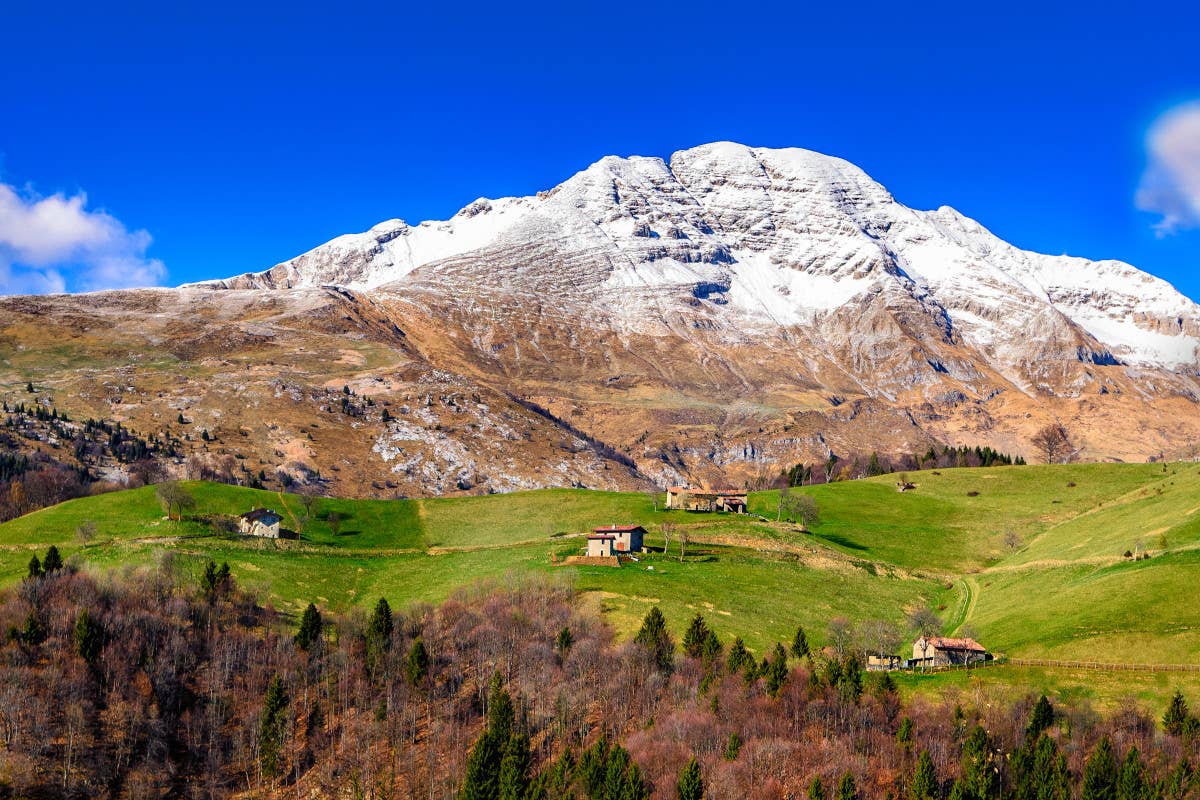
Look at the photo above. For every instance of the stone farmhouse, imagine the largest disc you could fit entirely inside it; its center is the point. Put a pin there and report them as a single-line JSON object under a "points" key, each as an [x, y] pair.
{"points": [[615, 540], [939, 651], [689, 499], [260, 522]]}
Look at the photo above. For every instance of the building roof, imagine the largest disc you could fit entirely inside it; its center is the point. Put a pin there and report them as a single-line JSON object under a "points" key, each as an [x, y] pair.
{"points": [[599, 536], [618, 529], [259, 514], [943, 643]]}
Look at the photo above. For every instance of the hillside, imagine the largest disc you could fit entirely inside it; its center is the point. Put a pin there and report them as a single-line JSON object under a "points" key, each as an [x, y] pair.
{"points": [[716, 317], [1030, 558]]}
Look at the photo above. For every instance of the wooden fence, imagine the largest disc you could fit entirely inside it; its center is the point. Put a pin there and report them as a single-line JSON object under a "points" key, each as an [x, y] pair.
{"points": [[1053, 663]]}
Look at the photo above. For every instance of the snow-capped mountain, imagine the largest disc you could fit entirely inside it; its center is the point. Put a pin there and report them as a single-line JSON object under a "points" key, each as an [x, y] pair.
{"points": [[756, 241]]}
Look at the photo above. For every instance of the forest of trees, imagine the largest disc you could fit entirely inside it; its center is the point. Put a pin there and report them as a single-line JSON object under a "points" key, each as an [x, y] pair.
{"points": [[164, 682], [866, 465]]}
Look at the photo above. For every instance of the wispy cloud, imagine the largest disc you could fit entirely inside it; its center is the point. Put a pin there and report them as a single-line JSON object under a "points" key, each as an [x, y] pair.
{"points": [[1170, 186], [55, 244]]}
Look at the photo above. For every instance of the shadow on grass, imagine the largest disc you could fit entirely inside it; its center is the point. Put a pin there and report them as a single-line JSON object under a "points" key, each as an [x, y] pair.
{"points": [[838, 539]]}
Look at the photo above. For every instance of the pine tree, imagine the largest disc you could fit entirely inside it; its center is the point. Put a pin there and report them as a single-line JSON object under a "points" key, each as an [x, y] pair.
{"points": [[924, 783], [846, 789], [1041, 718], [514, 768], [486, 761], [53, 561], [563, 642], [1131, 780], [904, 734], [695, 637], [417, 666], [35, 568], [309, 632], [1100, 773], [655, 640], [800, 647], [691, 784], [89, 638], [980, 777], [776, 671], [733, 747], [273, 727], [29, 386], [739, 657], [379, 635], [32, 633], [816, 789], [1176, 717]]}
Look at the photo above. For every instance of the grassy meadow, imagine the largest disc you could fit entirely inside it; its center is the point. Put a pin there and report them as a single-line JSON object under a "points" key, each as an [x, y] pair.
{"points": [[1028, 559]]}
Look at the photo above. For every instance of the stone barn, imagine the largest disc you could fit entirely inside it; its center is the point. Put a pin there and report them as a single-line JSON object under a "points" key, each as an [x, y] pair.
{"points": [[626, 538], [939, 651], [601, 545], [260, 522], [688, 499]]}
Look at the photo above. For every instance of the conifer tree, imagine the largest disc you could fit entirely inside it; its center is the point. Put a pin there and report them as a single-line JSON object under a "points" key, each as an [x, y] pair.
{"points": [[776, 671], [35, 567], [417, 666], [1100, 773], [89, 638], [514, 768], [691, 784], [695, 637], [309, 632], [816, 789], [1176, 716], [904, 734], [1131, 779], [924, 783], [800, 648], [379, 635], [563, 642], [655, 640], [1040, 719], [53, 561], [733, 747], [739, 657], [273, 727], [846, 789], [32, 633]]}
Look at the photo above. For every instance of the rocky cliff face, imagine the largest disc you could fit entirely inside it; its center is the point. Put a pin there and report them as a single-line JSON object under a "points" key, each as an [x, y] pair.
{"points": [[714, 317]]}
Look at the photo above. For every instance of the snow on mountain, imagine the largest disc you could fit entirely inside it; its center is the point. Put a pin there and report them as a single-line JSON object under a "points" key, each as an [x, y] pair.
{"points": [[767, 239]]}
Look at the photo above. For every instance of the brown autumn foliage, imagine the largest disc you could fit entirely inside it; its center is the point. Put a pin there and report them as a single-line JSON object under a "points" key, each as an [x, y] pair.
{"points": [[174, 703]]}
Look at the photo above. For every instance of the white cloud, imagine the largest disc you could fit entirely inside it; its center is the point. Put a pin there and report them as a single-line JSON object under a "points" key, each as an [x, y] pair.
{"points": [[55, 244], [1170, 185]]}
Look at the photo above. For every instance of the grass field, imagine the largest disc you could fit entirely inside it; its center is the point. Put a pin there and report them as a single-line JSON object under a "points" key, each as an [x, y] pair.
{"points": [[1029, 559]]}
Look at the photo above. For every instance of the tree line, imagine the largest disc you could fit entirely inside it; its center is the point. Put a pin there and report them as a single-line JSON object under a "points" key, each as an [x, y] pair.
{"points": [[176, 681]]}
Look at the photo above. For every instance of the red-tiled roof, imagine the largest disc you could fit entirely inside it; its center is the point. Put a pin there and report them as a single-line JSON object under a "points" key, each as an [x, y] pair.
{"points": [[618, 529], [601, 536], [943, 643]]}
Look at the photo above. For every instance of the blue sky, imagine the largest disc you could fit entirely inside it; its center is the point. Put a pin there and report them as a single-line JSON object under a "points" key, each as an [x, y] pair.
{"points": [[165, 143]]}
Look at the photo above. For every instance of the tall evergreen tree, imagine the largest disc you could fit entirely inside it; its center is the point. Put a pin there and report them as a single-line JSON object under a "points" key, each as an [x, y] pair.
{"points": [[846, 789], [1040, 719], [655, 640], [89, 638], [695, 637], [482, 781], [309, 632], [273, 727], [35, 568], [924, 783], [1176, 716], [777, 671], [800, 648], [53, 561], [739, 657], [379, 635], [515, 763], [1100, 773], [980, 775], [417, 666], [816, 789], [691, 784], [1131, 779]]}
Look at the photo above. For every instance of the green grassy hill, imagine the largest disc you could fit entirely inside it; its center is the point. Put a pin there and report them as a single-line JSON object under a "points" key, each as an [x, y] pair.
{"points": [[1031, 559]]}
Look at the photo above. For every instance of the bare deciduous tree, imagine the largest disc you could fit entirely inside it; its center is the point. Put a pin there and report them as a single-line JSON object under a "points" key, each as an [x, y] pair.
{"points": [[667, 530], [174, 499], [1054, 444], [925, 621]]}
